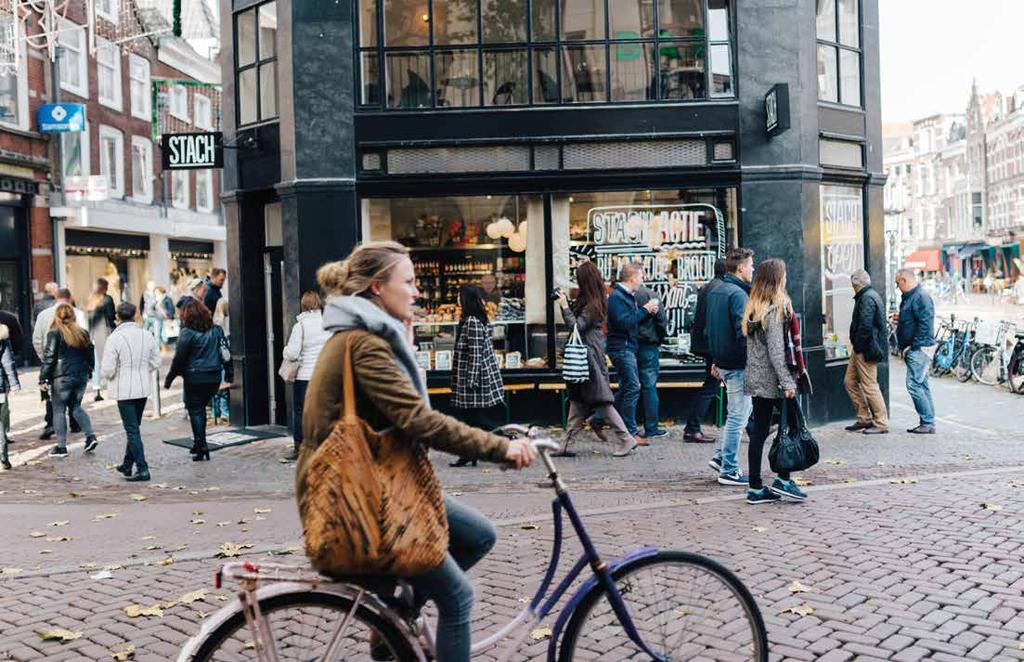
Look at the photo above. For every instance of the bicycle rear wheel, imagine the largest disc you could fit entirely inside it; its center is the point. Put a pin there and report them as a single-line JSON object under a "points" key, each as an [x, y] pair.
{"points": [[1015, 372], [985, 366], [684, 606], [303, 627], [962, 365]]}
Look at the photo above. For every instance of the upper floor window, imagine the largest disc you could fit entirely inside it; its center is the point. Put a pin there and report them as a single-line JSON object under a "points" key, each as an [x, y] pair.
{"points": [[839, 53], [256, 63], [108, 73], [139, 84], [472, 53], [14, 82], [179, 102], [112, 159], [74, 75], [142, 169], [108, 9], [204, 112]]}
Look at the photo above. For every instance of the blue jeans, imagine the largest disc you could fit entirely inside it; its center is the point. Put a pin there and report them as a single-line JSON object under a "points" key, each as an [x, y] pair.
{"points": [[131, 418], [298, 404], [917, 385], [649, 366], [470, 537], [735, 421], [69, 397], [628, 395]]}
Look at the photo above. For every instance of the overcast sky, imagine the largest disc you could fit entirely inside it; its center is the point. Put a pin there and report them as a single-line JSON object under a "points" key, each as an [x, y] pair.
{"points": [[931, 49]]}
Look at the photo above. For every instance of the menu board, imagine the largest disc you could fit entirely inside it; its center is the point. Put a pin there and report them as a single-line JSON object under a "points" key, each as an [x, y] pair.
{"points": [[842, 253]]}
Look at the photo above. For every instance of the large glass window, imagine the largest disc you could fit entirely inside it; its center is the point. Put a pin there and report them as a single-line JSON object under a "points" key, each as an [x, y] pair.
{"points": [[14, 81], [256, 62], [471, 53], [142, 169], [112, 159], [839, 54], [74, 75], [139, 85], [842, 253]]}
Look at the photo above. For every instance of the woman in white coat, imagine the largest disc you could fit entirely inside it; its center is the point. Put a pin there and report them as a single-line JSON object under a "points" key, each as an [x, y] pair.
{"points": [[306, 340]]}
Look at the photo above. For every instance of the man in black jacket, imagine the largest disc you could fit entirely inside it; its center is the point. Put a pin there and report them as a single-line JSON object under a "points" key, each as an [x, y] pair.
{"points": [[214, 282], [652, 332], [869, 335], [699, 347]]}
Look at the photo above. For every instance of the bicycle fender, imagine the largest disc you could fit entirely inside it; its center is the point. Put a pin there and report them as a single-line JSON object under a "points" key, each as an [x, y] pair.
{"points": [[586, 588]]}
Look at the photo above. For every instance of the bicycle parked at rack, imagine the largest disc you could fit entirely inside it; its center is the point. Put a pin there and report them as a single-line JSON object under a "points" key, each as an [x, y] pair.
{"points": [[648, 605], [1001, 363], [953, 354]]}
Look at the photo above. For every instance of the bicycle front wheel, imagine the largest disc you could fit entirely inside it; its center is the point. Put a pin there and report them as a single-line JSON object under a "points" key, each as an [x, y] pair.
{"points": [[1015, 373], [684, 606], [308, 626], [962, 366], [985, 366]]}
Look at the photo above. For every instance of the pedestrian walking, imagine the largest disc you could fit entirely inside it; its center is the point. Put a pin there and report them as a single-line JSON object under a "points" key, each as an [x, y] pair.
{"points": [[102, 320], [8, 384], [369, 311], [129, 359], [728, 349], [651, 333], [168, 325], [477, 389], [221, 405], [195, 289], [202, 359], [869, 335], [42, 327], [68, 362], [213, 284], [915, 330], [15, 332], [588, 314], [623, 341], [693, 433], [768, 377], [305, 342]]}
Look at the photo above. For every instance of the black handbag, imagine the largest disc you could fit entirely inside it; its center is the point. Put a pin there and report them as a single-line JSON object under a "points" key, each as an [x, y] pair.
{"points": [[794, 448]]}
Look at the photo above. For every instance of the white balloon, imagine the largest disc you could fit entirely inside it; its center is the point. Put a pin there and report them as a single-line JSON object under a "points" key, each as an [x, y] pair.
{"points": [[522, 230], [507, 229], [493, 231], [517, 243]]}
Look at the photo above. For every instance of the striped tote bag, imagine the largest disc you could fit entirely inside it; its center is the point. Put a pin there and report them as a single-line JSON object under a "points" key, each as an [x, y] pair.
{"points": [[575, 367]]}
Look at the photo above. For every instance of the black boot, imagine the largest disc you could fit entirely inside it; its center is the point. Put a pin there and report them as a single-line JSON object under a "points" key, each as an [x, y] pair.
{"points": [[202, 453], [139, 477], [47, 434]]}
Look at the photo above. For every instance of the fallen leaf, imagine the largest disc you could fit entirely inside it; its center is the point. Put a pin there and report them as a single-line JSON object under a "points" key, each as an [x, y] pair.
{"points": [[879, 464], [283, 460], [540, 633], [88, 566], [802, 482], [759, 529], [138, 497], [123, 654], [37, 534], [46, 551], [102, 574], [797, 587], [180, 548], [835, 462], [111, 466], [262, 511], [198, 521], [60, 523], [57, 538], [197, 513], [260, 518], [74, 495], [223, 523], [243, 521], [802, 610], [193, 493], [287, 550], [104, 516], [903, 481], [113, 566], [134, 611], [213, 488], [31, 491], [144, 538], [455, 494], [9, 572], [1017, 483], [849, 479], [158, 486], [992, 506], [59, 634], [222, 598], [168, 561], [230, 549], [194, 596], [150, 548], [968, 458], [529, 527]]}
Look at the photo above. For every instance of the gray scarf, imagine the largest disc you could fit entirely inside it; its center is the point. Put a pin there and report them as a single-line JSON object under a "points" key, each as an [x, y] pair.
{"points": [[353, 312]]}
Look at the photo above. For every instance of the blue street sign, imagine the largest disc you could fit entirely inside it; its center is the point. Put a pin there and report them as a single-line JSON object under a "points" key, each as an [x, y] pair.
{"points": [[61, 117]]}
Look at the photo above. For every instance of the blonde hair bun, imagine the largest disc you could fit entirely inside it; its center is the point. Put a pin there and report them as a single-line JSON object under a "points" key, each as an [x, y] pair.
{"points": [[332, 276], [368, 263]]}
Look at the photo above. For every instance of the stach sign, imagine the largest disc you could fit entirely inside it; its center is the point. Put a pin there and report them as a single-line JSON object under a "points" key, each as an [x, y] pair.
{"points": [[192, 151]]}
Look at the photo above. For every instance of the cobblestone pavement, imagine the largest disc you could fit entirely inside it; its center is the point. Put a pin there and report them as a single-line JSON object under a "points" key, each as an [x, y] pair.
{"points": [[910, 547]]}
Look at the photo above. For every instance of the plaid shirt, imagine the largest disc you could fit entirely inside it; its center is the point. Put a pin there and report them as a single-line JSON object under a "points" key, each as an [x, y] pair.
{"points": [[476, 380]]}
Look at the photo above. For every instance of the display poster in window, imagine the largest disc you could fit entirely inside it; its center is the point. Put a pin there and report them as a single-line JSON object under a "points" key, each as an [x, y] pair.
{"points": [[842, 253], [677, 245]]}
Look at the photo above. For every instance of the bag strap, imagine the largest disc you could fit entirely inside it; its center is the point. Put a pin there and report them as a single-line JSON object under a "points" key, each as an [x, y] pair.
{"points": [[348, 392], [800, 422], [784, 417], [575, 339]]}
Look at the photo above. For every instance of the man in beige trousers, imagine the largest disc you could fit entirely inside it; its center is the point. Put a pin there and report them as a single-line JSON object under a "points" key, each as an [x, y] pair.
{"points": [[869, 334]]}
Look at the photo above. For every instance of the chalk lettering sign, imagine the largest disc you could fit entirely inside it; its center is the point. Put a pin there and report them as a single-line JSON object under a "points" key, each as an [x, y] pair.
{"points": [[677, 245], [842, 253], [192, 151]]}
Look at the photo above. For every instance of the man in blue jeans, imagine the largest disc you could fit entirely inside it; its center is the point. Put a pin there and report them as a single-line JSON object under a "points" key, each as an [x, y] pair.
{"points": [[623, 343], [915, 331], [653, 330], [728, 350]]}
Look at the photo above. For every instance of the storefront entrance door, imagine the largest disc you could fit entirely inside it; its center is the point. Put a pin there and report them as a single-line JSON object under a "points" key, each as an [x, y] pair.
{"points": [[8, 286], [273, 270]]}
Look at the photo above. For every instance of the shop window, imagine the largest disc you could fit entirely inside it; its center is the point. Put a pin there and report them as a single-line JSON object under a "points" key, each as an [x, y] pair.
{"points": [[256, 63], [839, 53], [139, 86], [504, 21], [495, 242], [14, 82], [505, 80], [204, 190], [675, 235], [457, 78], [180, 189], [112, 160], [142, 169], [632, 69], [74, 75], [108, 73], [583, 76], [842, 253]]}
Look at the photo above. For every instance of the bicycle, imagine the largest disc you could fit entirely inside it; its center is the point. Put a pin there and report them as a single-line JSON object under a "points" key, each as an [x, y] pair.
{"points": [[990, 364], [650, 604], [949, 356]]}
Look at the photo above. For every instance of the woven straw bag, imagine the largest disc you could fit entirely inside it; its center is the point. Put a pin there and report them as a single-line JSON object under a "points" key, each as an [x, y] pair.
{"points": [[371, 503]]}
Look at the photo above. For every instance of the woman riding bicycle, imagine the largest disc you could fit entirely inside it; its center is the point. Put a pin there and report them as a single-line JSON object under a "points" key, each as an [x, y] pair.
{"points": [[369, 311]]}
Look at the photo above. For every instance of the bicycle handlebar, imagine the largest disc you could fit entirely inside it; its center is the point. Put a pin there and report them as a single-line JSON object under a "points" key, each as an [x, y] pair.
{"points": [[532, 433]]}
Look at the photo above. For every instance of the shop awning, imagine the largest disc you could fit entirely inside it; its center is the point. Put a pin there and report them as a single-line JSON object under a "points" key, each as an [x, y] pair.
{"points": [[971, 249], [924, 259]]}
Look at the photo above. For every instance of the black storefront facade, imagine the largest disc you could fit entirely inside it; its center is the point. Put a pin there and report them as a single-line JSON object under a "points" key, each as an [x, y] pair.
{"points": [[505, 140]]}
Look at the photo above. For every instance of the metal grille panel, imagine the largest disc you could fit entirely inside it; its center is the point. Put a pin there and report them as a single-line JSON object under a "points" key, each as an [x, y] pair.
{"points": [[650, 154], [458, 159], [724, 152], [545, 157], [841, 153], [371, 161]]}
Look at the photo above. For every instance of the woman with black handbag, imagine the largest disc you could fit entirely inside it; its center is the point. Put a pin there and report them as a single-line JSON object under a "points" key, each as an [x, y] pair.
{"points": [[768, 378]]}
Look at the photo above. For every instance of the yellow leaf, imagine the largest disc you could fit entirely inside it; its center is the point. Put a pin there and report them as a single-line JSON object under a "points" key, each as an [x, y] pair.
{"points": [[60, 523], [198, 521], [150, 548], [123, 654], [287, 550], [802, 610], [138, 497], [113, 566], [59, 634], [262, 511], [37, 534], [222, 598], [74, 495], [759, 529], [46, 551], [903, 481], [230, 549], [797, 587], [104, 516], [992, 506], [88, 566], [540, 633], [168, 561], [802, 482], [529, 527], [835, 462], [849, 479], [145, 538], [180, 548], [9, 572], [134, 611], [197, 513], [223, 523], [194, 596], [57, 538], [681, 611]]}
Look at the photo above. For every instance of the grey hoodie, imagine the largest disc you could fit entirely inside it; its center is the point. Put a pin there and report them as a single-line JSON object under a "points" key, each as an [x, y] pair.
{"points": [[353, 312]]}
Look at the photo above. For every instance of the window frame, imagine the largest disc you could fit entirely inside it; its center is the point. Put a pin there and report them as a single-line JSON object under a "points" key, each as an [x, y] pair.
{"points": [[205, 176], [84, 137], [182, 175], [173, 106], [23, 121], [202, 120], [81, 62], [838, 47], [656, 43], [112, 17], [106, 133], [116, 102], [256, 65], [142, 141], [147, 87]]}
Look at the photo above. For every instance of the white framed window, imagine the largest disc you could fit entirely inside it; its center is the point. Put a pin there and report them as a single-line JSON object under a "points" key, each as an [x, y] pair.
{"points": [[179, 102], [108, 73], [108, 10], [74, 73], [179, 189], [142, 169], [140, 86], [204, 112], [76, 153], [112, 159], [14, 84], [204, 190]]}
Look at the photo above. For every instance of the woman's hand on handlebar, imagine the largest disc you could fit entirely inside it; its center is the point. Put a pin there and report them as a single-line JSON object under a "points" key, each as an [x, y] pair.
{"points": [[521, 453]]}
